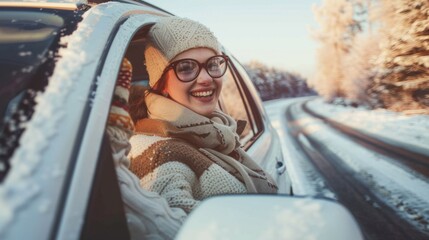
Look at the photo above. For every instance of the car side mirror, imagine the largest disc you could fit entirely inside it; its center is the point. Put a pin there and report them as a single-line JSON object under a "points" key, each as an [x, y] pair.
{"points": [[269, 217]]}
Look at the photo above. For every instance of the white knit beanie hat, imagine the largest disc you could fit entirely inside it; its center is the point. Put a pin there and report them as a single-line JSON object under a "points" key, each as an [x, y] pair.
{"points": [[172, 36]]}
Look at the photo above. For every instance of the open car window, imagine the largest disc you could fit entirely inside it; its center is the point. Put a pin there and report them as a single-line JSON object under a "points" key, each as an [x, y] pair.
{"points": [[233, 104]]}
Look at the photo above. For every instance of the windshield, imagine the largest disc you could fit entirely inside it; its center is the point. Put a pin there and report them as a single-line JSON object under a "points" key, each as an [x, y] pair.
{"points": [[29, 43]]}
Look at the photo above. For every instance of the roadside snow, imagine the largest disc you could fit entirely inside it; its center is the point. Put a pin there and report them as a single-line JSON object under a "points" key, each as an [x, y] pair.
{"points": [[409, 129], [398, 186]]}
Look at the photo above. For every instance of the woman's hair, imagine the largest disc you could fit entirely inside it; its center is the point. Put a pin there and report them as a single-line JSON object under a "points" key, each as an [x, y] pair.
{"points": [[138, 108]]}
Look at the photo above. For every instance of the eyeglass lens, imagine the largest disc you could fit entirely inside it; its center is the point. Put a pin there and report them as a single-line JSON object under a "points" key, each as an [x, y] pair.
{"points": [[188, 69]]}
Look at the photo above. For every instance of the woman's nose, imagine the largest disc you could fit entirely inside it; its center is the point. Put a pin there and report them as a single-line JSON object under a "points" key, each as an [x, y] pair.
{"points": [[204, 77]]}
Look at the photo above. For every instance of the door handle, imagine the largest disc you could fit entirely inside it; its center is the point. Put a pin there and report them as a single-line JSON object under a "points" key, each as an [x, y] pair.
{"points": [[281, 167]]}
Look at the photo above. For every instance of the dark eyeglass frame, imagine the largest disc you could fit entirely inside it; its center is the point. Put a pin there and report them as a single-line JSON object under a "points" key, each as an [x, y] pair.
{"points": [[200, 66]]}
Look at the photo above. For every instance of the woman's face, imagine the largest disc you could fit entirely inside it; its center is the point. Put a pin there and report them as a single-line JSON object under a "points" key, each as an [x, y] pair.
{"points": [[200, 95]]}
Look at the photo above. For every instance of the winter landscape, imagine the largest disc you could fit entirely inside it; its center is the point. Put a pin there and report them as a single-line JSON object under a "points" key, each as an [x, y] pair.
{"points": [[356, 131], [364, 139], [384, 182]]}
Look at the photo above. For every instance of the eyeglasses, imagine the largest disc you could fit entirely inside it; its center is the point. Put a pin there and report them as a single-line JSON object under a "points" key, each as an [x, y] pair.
{"points": [[188, 69]]}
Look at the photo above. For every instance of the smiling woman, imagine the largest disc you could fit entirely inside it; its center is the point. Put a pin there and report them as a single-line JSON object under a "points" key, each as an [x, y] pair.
{"points": [[192, 87], [187, 149]]}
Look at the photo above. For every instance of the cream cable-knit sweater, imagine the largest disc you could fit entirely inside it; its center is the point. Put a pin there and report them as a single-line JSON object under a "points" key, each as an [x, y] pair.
{"points": [[178, 171]]}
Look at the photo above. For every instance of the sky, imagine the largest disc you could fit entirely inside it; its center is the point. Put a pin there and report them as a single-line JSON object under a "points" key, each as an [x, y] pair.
{"points": [[275, 33]]}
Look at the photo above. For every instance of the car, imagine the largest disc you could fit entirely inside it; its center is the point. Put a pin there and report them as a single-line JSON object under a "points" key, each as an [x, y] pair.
{"points": [[59, 66]]}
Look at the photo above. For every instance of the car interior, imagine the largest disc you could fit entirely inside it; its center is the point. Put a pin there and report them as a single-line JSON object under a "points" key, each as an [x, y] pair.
{"points": [[135, 55]]}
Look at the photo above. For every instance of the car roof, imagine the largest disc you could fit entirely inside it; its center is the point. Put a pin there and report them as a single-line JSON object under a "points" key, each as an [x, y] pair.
{"points": [[53, 5]]}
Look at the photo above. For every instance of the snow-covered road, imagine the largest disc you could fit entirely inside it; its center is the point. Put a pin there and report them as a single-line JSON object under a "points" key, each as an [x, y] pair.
{"points": [[387, 182]]}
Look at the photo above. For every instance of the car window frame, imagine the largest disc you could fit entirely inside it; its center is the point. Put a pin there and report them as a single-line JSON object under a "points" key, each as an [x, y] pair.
{"points": [[87, 231], [109, 65], [248, 99], [229, 78]]}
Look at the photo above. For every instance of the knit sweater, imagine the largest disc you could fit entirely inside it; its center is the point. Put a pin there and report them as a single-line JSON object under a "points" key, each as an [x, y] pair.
{"points": [[178, 171], [186, 157]]}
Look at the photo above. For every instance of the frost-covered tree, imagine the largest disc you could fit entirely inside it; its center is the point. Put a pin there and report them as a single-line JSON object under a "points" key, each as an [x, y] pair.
{"points": [[403, 79], [273, 83], [257, 72], [359, 67], [338, 28]]}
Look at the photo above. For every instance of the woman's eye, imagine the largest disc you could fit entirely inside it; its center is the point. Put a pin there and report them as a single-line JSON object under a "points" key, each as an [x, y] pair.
{"points": [[214, 65], [186, 67]]}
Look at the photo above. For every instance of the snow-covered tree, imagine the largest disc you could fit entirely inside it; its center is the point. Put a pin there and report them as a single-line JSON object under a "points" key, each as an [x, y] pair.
{"points": [[273, 83], [338, 28], [374, 51], [403, 79], [359, 67]]}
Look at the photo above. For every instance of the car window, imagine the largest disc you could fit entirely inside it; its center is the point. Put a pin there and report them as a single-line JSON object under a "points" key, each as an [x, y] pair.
{"points": [[252, 98], [233, 104]]}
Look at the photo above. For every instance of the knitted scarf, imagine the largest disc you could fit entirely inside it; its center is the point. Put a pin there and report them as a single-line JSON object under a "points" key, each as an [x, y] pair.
{"points": [[215, 137]]}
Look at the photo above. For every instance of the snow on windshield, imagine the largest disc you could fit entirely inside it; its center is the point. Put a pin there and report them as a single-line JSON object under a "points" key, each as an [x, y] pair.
{"points": [[19, 186]]}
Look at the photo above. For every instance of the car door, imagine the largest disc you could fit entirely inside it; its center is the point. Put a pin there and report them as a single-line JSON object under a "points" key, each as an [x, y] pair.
{"points": [[85, 192], [62, 148]]}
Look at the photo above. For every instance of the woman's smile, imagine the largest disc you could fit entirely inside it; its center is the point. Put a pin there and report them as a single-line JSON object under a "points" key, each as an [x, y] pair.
{"points": [[206, 93]]}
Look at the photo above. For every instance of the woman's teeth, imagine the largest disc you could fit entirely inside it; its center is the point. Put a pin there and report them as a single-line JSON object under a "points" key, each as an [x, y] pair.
{"points": [[202, 94]]}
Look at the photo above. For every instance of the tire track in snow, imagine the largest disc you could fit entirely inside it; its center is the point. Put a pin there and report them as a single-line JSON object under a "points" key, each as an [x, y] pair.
{"points": [[377, 219]]}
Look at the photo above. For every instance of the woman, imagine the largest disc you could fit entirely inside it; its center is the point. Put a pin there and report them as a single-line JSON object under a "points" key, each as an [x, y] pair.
{"points": [[186, 149]]}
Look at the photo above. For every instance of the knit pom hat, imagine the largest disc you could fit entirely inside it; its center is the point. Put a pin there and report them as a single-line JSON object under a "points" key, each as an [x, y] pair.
{"points": [[172, 36]]}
